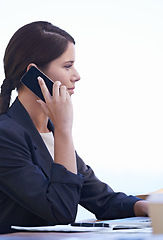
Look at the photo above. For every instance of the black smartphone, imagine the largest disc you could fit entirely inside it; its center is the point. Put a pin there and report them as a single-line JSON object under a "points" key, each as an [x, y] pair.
{"points": [[30, 81]]}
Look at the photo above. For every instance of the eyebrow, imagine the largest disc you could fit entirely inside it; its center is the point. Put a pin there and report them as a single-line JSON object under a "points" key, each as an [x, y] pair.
{"points": [[69, 61]]}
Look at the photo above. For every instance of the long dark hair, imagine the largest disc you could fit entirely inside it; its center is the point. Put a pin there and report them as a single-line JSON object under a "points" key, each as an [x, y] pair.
{"points": [[37, 42]]}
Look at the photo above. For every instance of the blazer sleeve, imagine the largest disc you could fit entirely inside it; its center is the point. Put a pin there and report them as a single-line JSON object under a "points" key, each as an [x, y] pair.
{"points": [[100, 199], [54, 198]]}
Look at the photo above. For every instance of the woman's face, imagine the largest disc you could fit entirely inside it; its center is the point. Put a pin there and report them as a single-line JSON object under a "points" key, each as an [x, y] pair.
{"points": [[62, 69]]}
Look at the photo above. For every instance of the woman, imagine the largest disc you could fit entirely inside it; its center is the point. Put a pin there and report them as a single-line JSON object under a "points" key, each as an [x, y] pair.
{"points": [[42, 179]]}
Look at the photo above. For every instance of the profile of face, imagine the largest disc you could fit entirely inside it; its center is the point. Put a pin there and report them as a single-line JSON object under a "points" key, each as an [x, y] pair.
{"points": [[62, 69], [38, 43]]}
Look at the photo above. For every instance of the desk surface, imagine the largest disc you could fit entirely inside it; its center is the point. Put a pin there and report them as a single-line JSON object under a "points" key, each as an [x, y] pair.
{"points": [[79, 236]]}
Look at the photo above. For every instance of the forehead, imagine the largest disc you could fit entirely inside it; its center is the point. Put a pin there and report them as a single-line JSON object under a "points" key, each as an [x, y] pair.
{"points": [[69, 53], [67, 56]]}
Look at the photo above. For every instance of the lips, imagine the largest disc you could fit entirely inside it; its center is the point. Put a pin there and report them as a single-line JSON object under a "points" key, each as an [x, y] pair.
{"points": [[71, 90]]}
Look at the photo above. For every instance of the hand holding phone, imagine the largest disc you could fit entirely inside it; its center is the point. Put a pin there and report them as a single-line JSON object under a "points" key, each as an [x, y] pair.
{"points": [[59, 107]]}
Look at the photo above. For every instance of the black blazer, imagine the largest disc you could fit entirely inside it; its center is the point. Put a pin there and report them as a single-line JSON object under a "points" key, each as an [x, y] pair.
{"points": [[35, 191]]}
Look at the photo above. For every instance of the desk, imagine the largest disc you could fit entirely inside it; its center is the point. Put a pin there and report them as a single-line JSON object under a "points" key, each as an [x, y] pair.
{"points": [[79, 236]]}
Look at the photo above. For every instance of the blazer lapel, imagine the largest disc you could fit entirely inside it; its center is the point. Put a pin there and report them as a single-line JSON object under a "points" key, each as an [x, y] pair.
{"points": [[21, 116]]}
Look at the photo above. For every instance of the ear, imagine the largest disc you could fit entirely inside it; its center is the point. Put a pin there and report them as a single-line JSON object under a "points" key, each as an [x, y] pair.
{"points": [[30, 65]]}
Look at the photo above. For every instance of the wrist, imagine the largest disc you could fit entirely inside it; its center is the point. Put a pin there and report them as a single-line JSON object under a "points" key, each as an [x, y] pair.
{"points": [[62, 131], [64, 152]]}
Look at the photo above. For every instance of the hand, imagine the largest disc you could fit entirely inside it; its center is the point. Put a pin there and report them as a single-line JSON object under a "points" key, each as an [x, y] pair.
{"points": [[57, 107], [141, 208]]}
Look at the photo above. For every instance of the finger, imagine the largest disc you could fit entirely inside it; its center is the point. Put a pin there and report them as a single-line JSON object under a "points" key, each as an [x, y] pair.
{"points": [[44, 89], [63, 92], [68, 95], [56, 88]]}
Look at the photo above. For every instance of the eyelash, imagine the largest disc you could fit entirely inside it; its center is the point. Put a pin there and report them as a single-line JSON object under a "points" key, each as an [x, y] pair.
{"points": [[68, 66]]}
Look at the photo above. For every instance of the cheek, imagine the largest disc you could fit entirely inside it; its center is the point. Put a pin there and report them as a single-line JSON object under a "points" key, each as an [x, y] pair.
{"points": [[59, 74], [62, 76]]}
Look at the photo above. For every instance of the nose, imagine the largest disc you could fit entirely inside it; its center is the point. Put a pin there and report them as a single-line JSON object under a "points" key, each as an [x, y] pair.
{"points": [[75, 77]]}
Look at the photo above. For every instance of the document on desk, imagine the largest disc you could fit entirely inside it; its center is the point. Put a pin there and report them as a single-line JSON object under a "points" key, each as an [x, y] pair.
{"points": [[58, 228], [132, 224], [135, 224], [132, 221]]}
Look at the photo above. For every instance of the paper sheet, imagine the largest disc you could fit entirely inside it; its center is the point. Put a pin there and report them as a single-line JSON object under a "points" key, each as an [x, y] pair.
{"points": [[133, 221], [59, 228], [143, 225]]}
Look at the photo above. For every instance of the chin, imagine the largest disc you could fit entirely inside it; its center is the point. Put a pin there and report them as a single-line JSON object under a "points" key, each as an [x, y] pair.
{"points": [[70, 93]]}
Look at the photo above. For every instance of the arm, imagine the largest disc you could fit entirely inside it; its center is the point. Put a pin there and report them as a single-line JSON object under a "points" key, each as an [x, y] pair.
{"points": [[59, 109], [100, 199], [141, 208], [64, 153]]}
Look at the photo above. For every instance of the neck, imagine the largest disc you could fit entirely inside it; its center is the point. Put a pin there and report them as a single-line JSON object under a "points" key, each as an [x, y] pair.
{"points": [[38, 116]]}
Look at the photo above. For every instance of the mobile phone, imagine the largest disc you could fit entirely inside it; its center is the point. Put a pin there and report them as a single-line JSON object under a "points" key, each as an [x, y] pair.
{"points": [[30, 81]]}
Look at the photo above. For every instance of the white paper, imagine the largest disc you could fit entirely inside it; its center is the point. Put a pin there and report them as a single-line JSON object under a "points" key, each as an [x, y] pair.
{"points": [[143, 225], [133, 221], [59, 228]]}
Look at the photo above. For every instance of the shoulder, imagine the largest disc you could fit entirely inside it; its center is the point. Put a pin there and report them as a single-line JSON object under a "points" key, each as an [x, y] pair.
{"points": [[9, 128], [5, 120], [8, 123], [15, 142]]}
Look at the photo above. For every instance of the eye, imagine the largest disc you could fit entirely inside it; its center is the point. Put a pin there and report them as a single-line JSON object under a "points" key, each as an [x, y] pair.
{"points": [[68, 66]]}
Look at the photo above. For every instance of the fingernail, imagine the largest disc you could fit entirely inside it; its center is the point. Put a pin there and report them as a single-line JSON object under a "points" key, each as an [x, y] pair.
{"points": [[40, 79], [58, 82]]}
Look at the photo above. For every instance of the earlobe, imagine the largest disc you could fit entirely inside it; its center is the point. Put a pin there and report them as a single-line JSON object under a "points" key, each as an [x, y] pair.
{"points": [[30, 65]]}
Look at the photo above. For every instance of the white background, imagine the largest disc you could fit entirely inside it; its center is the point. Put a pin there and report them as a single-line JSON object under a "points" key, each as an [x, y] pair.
{"points": [[118, 116]]}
